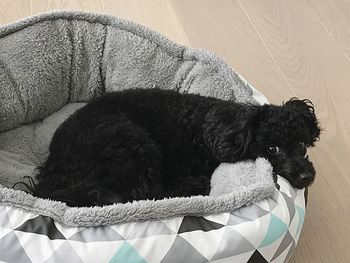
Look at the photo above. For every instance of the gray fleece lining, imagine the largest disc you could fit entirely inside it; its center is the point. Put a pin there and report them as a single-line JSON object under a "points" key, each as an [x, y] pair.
{"points": [[50, 62]]}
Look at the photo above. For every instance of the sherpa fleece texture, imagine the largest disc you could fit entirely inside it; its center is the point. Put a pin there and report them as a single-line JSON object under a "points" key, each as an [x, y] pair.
{"points": [[52, 62], [52, 59], [241, 175], [261, 186]]}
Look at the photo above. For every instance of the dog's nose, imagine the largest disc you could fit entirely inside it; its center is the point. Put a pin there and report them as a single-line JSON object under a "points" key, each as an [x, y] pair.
{"points": [[306, 176]]}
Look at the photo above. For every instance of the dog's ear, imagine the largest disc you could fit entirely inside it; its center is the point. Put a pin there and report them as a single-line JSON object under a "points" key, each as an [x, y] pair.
{"points": [[305, 110], [227, 131]]}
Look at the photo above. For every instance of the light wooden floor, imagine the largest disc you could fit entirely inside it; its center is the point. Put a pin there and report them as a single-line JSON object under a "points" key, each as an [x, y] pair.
{"points": [[284, 48]]}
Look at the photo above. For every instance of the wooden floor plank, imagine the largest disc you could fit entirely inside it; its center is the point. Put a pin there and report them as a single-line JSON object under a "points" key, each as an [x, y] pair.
{"points": [[156, 14], [316, 68], [11, 11], [40, 6], [334, 16], [222, 27], [283, 48]]}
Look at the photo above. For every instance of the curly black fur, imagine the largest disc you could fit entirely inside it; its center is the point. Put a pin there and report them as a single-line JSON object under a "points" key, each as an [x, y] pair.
{"points": [[150, 144]]}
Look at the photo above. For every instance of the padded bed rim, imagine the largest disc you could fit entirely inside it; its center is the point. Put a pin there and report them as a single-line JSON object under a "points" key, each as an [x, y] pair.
{"points": [[141, 210]]}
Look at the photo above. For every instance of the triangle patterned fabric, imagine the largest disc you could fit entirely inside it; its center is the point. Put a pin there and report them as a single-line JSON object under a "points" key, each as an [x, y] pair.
{"points": [[267, 231]]}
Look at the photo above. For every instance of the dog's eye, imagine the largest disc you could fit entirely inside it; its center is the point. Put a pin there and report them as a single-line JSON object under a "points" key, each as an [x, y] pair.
{"points": [[273, 150]]}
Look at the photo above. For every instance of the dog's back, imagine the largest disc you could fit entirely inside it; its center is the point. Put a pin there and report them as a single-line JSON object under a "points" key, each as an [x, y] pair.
{"points": [[129, 145]]}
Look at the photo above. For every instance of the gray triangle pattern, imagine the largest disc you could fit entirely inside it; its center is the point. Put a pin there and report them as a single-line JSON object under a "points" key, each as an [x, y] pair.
{"points": [[290, 252], [182, 251], [290, 205], [244, 214], [290, 189], [149, 228], [64, 253], [272, 201], [287, 240], [292, 192], [11, 249], [94, 234], [235, 241]]}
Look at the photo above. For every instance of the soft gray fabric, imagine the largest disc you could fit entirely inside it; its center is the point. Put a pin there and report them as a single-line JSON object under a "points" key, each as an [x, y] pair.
{"points": [[51, 62], [260, 186], [26, 147], [241, 175], [56, 58]]}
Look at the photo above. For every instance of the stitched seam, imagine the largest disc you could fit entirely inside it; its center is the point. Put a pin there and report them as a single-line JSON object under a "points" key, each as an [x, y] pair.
{"points": [[71, 39], [102, 78], [15, 86]]}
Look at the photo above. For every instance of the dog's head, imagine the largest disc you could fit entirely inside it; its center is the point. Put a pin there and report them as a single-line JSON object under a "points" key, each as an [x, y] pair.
{"points": [[280, 134]]}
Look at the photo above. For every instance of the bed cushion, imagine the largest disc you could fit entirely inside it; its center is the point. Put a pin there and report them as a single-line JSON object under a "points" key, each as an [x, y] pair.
{"points": [[267, 231], [53, 63]]}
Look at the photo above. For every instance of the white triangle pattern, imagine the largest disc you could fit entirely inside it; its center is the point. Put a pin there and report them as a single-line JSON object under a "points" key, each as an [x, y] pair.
{"points": [[268, 251], [221, 218], [281, 210], [103, 251], [296, 238], [154, 248], [4, 217], [263, 204], [142, 229], [254, 231], [124, 229], [300, 198], [38, 247], [4, 231], [67, 232], [284, 185], [173, 223], [18, 217], [241, 258], [293, 227], [281, 258], [205, 243]]}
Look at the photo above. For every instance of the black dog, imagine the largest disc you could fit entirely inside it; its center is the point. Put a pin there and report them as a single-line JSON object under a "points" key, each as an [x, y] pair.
{"points": [[150, 144]]}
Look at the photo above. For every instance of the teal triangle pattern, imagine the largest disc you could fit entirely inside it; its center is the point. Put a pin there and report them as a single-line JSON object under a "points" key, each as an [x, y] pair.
{"points": [[127, 254], [276, 229], [301, 214]]}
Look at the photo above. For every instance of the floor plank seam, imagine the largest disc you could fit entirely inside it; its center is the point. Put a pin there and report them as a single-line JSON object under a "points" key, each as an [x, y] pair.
{"points": [[267, 49]]}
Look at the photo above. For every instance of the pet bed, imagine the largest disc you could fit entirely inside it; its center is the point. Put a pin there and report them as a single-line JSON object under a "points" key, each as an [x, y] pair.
{"points": [[50, 65]]}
